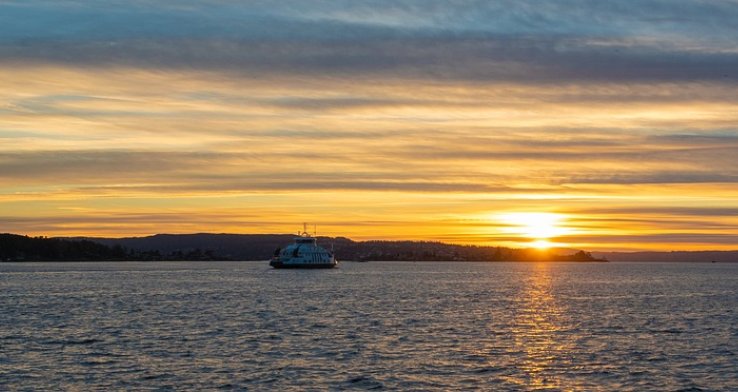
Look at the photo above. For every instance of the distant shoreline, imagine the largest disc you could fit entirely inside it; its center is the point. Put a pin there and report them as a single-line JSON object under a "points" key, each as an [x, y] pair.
{"points": [[372, 261], [260, 247], [228, 247], [266, 261]]}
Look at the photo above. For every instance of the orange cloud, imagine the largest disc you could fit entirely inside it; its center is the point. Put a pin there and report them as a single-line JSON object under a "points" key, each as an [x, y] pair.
{"points": [[124, 151]]}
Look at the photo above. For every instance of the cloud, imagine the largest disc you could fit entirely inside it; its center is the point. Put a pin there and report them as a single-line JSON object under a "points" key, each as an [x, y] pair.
{"points": [[85, 166], [523, 42], [417, 116], [673, 238], [161, 172], [670, 211], [489, 59], [665, 177]]}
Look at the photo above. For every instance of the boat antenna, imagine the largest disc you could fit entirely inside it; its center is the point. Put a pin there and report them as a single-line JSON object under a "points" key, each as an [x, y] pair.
{"points": [[315, 230], [304, 227]]}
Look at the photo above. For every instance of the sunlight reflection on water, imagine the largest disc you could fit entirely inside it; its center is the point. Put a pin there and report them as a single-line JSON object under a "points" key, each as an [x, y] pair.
{"points": [[398, 326], [537, 321]]}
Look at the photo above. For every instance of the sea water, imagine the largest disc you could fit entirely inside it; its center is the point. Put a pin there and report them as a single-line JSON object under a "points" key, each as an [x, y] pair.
{"points": [[365, 326]]}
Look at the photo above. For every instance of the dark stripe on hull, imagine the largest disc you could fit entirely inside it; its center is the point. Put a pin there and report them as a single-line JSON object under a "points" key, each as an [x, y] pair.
{"points": [[279, 264]]}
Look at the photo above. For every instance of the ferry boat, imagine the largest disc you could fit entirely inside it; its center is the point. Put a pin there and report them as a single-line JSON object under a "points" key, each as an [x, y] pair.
{"points": [[304, 253]]}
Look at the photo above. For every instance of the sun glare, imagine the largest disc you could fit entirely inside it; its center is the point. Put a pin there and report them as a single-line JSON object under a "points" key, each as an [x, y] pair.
{"points": [[541, 244], [538, 227]]}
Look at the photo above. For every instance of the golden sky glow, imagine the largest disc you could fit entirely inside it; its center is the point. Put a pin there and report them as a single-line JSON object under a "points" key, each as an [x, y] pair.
{"points": [[119, 146]]}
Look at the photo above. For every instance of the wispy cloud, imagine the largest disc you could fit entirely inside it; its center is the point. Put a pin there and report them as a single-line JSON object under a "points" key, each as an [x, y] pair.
{"points": [[529, 42], [401, 119]]}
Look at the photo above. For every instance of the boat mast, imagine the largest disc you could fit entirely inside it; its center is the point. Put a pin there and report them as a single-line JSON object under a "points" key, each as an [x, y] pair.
{"points": [[305, 233]]}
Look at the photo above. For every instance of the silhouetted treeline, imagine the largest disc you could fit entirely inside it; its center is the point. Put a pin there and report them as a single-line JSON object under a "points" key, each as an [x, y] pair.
{"points": [[205, 246], [262, 246], [166, 247], [18, 248], [225, 246], [23, 248], [438, 251]]}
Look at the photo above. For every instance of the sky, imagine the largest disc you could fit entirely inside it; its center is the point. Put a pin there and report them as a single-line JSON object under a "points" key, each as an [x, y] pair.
{"points": [[587, 124]]}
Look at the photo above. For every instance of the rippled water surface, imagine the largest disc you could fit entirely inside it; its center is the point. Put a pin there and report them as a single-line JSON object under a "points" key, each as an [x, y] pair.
{"points": [[394, 326]]}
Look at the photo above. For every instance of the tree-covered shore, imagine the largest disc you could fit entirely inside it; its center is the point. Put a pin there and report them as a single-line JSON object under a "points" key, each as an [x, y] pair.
{"points": [[173, 247], [15, 247]]}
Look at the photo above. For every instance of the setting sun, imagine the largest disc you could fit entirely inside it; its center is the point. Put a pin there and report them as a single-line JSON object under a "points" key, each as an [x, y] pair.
{"points": [[539, 227], [541, 244]]}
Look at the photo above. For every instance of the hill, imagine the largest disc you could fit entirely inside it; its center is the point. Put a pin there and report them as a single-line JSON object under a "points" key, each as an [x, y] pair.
{"points": [[206, 246], [262, 246], [21, 248]]}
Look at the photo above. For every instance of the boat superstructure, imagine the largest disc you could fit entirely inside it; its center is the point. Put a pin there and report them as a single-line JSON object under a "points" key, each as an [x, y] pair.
{"points": [[303, 253]]}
